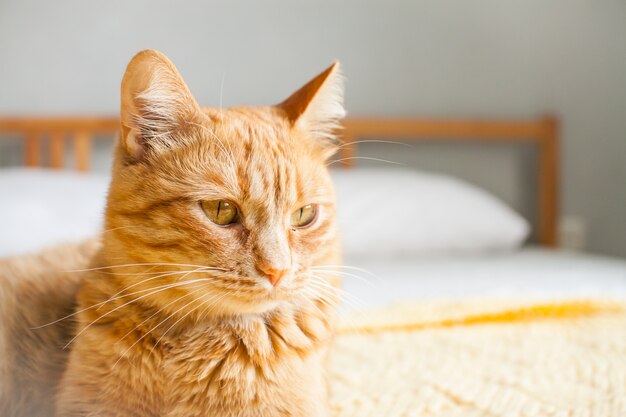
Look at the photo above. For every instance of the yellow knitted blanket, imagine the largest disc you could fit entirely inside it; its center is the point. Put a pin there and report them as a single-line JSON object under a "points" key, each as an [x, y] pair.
{"points": [[482, 358]]}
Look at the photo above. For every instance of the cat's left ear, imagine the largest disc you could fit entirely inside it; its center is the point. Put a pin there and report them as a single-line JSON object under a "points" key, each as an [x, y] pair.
{"points": [[317, 107], [156, 105]]}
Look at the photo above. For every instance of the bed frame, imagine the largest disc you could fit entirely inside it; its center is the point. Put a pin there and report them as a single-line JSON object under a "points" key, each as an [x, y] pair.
{"points": [[542, 132]]}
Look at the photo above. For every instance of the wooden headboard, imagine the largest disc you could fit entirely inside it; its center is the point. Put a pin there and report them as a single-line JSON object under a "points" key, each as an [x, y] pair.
{"points": [[543, 132], [79, 132]]}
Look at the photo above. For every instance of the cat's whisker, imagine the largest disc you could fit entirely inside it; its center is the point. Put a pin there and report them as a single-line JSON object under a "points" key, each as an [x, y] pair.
{"points": [[118, 294], [344, 267], [365, 158], [142, 291], [347, 274], [336, 300], [178, 284], [202, 287], [176, 272], [329, 290], [324, 300], [214, 302], [313, 304], [221, 143], [119, 228], [318, 295], [342, 294], [349, 318], [221, 124], [321, 284], [355, 304], [356, 142], [142, 264], [338, 269], [130, 274], [206, 310], [216, 298], [222, 90], [322, 281], [346, 317], [184, 273], [101, 304]]}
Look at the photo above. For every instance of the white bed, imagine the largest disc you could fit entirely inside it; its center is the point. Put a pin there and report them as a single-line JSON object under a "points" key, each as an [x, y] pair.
{"points": [[41, 208], [529, 272]]}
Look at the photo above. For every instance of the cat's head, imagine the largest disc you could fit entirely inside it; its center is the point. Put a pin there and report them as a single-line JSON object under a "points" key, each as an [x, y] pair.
{"points": [[227, 208]]}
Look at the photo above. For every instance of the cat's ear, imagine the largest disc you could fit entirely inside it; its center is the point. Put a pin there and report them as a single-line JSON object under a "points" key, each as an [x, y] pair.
{"points": [[317, 107], [156, 104]]}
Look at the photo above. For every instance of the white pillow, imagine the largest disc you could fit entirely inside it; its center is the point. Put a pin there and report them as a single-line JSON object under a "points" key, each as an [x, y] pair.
{"points": [[403, 211], [40, 208], [381, 212]]}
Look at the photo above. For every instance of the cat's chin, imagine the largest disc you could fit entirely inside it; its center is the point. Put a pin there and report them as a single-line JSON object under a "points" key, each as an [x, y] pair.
{"points": [[259, 302], [256, 304], [260, 306]]}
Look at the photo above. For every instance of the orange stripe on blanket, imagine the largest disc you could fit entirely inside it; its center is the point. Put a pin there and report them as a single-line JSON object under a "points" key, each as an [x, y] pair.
{"points": [[533, 312]]}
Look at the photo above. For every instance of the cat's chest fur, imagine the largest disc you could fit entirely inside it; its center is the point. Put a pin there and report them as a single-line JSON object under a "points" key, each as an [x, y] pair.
{"points": [[253, 366], [266, 365]]}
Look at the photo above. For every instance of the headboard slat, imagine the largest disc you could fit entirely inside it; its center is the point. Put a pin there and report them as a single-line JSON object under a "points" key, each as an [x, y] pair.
{"points": [[32, 152], [79, 131], [548, 179], [57, 149], [82, 150]]}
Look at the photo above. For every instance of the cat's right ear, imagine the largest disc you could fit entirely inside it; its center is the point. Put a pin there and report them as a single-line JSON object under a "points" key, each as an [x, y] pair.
{"points": [[317, 107], [156, 105]]}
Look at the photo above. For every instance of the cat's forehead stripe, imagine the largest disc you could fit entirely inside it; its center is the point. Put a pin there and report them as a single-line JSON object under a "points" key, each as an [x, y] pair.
{"points": [[268, 175]]}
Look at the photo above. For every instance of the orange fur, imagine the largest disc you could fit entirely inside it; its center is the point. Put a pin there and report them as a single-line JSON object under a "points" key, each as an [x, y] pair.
{"points": [[35, 290], [170, 338]]}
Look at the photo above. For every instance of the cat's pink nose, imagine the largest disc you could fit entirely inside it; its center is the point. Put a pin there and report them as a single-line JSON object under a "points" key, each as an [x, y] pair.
{"points": [[272, 274]]}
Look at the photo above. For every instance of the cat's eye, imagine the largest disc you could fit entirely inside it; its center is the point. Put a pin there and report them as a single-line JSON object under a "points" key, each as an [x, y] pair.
{"points": [[220, 212], [304, 216]]}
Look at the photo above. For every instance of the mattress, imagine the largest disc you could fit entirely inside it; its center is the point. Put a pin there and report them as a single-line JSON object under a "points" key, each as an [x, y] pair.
{"points": [[530, 273]]}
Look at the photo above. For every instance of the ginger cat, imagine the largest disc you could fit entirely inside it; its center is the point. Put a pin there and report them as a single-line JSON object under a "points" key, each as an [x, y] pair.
{"points": [[213, 291]]}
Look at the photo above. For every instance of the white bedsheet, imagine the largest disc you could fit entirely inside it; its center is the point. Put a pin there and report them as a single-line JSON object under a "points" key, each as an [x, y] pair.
{"points": [[531, 273]]}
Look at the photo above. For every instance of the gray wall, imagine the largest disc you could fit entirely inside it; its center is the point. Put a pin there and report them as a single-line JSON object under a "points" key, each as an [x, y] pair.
{"points": [[515, 58]]}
